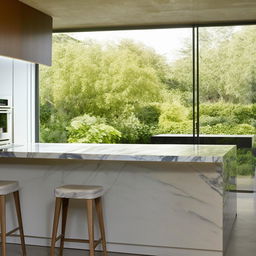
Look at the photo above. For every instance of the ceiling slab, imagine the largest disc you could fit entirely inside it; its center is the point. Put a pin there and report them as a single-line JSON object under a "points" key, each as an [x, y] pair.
{"points": [[75, 15]]}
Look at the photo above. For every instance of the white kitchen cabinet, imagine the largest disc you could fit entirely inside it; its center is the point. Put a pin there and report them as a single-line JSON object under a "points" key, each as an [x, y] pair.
{"points": [[17, 81], [23, 102]]}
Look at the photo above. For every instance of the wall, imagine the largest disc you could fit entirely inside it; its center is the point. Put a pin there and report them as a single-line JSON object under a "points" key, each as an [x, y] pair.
{"points": [[18, 82]]}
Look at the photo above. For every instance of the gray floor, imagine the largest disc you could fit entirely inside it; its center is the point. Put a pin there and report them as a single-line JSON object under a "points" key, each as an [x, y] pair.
{"points": [[243, 239], [14, 250]]}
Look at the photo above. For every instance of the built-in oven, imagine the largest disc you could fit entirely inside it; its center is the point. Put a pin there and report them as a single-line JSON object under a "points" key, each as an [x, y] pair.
{"points": [[5, 120]]}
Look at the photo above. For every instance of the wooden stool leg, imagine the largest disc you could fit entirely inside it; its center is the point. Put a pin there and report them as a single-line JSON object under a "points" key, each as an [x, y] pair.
{"points": [[65, 202], [98, 203], [55, 224], [19, 217], [89, 207], [3, 224]]}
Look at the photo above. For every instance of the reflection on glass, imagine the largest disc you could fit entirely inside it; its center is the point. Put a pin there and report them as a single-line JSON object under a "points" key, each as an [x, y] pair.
{"points": [[228, 92]]}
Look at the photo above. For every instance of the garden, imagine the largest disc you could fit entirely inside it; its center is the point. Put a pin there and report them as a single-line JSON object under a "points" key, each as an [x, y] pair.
{"points": [[125, 92]]}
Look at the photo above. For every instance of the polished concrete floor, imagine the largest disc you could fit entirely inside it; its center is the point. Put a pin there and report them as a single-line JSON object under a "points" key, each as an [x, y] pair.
{"points": [[14, 250], [243, 239]]}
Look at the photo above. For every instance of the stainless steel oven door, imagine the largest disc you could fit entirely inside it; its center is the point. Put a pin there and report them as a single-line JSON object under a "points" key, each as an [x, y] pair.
{"points": [[5, 123]]}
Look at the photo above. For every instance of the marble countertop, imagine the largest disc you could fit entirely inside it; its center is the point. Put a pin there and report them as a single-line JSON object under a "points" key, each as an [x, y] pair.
{"points": [[119, 152]]}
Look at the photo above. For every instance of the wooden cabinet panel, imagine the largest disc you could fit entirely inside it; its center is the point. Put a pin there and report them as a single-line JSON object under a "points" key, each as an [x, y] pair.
{"points": [[25, 33]]}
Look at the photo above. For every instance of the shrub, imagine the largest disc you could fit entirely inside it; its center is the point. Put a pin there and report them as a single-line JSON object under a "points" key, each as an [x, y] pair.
{"points": [[216, 109], [148, 114], [243, 114], [46, 110], [53, 132], [133, 131], [213, 120], [90, 129], [176, 128], [245, 162], [172, 113], [228, 129]]}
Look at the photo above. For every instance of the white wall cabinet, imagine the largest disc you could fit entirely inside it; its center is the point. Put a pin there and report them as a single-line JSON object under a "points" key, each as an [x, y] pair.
{"points": [[17, 80]]}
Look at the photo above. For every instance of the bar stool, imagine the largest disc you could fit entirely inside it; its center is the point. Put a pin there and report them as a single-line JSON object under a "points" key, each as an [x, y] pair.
{"points": [[10, 187], [92, 195]]}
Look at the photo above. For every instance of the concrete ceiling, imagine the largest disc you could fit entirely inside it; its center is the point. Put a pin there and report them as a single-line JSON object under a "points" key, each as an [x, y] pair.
{"points": [[89, 14]]}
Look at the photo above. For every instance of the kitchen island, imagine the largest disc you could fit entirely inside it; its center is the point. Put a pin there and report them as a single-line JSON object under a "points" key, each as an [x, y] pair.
{"points": [[160, 199]]}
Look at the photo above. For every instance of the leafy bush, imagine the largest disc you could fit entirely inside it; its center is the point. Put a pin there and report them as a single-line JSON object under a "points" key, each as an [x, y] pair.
{"points": [[45, 113], [243, 114], [246, 162], [54, 131], [173, 113], [238, 113], [148, 114], [217, 109], [90, 129], [133, 131], [228, 129], [176, 127], [214, 120]]}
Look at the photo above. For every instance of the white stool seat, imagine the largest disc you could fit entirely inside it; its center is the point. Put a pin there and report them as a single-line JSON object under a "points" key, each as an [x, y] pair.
{"points": [[79, 191], [8, 186]]}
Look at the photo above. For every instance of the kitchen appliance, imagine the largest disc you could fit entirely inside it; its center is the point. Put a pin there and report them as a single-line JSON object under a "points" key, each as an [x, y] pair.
{"points": [[5, 120]]}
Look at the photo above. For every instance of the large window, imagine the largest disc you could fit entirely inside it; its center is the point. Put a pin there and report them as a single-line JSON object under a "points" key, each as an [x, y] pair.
{"points": [[117, 86], [125, 86]]}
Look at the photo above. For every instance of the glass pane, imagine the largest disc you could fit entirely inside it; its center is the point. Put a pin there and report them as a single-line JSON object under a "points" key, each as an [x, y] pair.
{"points": [[228, 93], [117, 86]]}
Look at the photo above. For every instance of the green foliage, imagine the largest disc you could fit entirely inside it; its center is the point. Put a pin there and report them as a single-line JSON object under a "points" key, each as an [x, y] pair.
{"points": [[214, 120], [133, 131], [227, 66], [174, 119], [90, 129], [246, 162], [244, 114], [174, 113], [148, 114], [45, 113], [126, 92], [216, 109], [227, 118], [101, 81], [54, 131], [228, 129], [184, 127]]}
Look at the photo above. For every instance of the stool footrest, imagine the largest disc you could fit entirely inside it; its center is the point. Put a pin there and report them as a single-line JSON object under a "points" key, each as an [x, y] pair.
{"points": [[75, 240], [12, 231], [59, 237]]}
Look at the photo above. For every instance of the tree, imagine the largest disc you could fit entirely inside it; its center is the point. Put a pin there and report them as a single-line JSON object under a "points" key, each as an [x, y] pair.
{"points": [[227, 65], [108, 81]]}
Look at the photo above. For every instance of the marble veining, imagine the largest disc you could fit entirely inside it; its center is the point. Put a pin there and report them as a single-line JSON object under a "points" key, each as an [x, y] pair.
{"points": [[120, 152]]}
